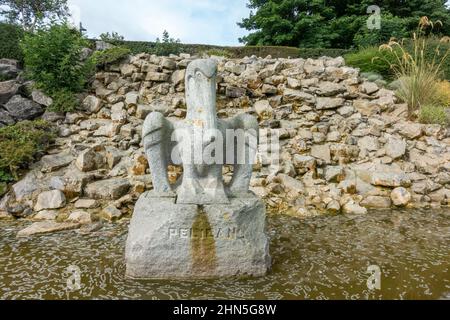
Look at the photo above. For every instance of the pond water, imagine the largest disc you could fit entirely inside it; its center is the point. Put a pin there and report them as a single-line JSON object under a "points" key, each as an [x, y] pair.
{"points": [[318, 258]]}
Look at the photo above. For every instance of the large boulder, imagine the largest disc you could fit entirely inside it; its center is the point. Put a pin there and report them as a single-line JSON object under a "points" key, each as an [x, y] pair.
{"points": [[54, 199], [92, 104], [7, 90], [41, 98], [395, 148], [23, 109], [111, 189], [400, 196], [8, 68], [6, 119]]}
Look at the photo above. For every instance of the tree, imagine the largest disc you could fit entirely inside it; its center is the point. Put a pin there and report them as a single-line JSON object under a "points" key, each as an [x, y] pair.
{"points": [[32, 13], [335, 23], [166, 45], [111, 37]]}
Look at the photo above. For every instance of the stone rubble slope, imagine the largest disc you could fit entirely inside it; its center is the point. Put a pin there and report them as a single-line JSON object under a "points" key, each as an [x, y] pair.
{"points": [[346, 144]]}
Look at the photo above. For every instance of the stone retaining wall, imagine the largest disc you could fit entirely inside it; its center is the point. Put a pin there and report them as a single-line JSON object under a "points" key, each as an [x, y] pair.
{"points": [[346, 143]]}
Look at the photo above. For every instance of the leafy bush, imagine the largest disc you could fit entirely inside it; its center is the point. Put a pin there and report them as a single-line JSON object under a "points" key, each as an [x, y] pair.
{"points": [[21, 144], [63, 101], [434, 114], [372, 60], [393, 27], [53, 59], [10, 36], [109, 56], [166, 46]]}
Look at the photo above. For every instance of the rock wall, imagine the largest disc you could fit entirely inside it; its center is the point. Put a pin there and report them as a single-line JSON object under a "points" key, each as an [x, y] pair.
{"points": [[346, 143]]}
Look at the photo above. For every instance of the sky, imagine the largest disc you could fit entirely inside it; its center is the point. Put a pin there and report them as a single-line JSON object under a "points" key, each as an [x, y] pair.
{"points": [[191, 21]]}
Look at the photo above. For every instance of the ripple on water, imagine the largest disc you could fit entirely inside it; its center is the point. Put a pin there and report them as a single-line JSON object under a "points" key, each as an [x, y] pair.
{"points": [[319, 258]]}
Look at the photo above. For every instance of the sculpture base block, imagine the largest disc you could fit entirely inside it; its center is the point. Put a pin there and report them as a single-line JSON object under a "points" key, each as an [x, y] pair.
{"points": [[176, 241]]}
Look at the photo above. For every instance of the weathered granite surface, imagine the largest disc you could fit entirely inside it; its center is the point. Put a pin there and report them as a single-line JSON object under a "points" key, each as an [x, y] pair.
{"points": [[168, 240]]}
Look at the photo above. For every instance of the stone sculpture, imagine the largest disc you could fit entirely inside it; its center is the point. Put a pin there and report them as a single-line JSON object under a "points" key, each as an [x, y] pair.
{"points": [[199, 227]]}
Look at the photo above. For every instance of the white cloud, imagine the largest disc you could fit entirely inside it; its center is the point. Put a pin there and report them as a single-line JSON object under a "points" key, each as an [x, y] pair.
{"points": [[192, 21]]}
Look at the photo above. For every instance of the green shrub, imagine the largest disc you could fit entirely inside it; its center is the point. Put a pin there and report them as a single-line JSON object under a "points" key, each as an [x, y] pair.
{"points": [[219, 53], [10, 36], [166, 46], [434, 114], [53, 59], [110, 56], [111, 37], [371, 60], [391, 27], [63, 101], [21, 144]]}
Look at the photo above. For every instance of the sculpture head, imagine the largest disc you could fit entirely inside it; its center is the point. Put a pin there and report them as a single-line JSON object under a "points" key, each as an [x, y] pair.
{"points": [[201, 93]]}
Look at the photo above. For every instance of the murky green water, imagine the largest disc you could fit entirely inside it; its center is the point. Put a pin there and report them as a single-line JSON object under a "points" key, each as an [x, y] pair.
{"points": [[320, 258]]}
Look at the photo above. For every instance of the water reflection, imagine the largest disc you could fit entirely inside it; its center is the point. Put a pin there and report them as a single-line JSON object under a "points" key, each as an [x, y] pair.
{"points": [[319, 258]]}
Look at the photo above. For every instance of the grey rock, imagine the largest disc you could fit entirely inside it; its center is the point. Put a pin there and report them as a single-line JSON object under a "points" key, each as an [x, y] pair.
{"points": [[41, 98], [111, 213], [86, 204], [322, 152], [376, 202], [366, 108], [395, 148], [6, 119], [143, 111], [81, 217], [8, 68], [46, 215], [52, 163], [425, 187], [7, 90], [118, 113], [334, 207], [300, 96], [178, 76], [92, 104], [409, 130], [29, 185], [51, 116], [400, 197], [354, 208], [45, 227], [263, 109], [329, 89], [369, 143], [369, 87], [329, 103], [91, 159], [235, 92], [50, 200], [334, 174], [23, 109], [111, 189], [390, 179], [157, 77], [131, 99]]}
